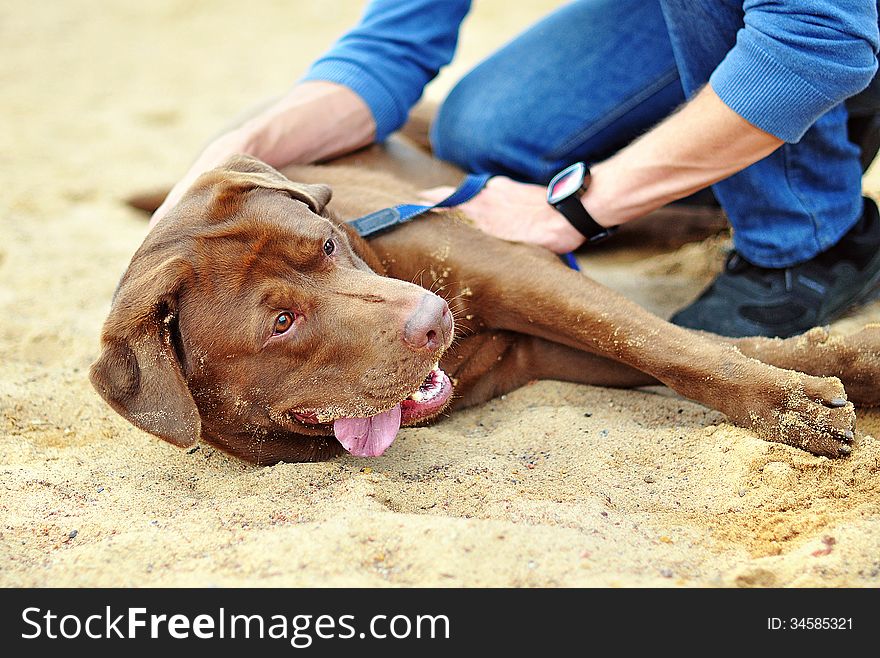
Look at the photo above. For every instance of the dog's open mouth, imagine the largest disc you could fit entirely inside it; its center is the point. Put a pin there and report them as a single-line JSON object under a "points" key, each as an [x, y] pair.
{"points": [[371, 436], [430, 398]]}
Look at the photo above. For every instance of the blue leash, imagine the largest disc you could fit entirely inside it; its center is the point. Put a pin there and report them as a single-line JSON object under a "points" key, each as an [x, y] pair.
{"points": [[388, 218]]}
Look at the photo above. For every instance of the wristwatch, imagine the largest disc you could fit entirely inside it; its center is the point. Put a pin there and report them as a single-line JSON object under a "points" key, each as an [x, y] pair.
{"points": [[564, 193]]}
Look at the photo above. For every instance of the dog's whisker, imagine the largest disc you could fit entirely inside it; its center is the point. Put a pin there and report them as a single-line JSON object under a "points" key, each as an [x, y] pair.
{"points": [[418, 275]]}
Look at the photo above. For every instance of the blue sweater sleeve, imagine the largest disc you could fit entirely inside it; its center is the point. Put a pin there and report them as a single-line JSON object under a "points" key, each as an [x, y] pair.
{"points": [[388, 58], [796, 59]]}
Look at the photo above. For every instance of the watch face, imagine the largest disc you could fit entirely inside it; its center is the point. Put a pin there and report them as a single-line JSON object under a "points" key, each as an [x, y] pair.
{"points": [[566, 183]]}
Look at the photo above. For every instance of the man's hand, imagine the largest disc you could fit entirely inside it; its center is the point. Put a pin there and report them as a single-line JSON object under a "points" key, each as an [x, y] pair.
{"points": [[518, 212]]}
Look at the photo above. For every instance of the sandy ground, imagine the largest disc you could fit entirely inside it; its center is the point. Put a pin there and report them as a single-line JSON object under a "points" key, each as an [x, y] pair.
{"points": [[553, 485]]}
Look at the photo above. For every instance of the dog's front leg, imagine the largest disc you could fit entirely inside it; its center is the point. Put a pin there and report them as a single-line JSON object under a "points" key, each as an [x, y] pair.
{"points": [[499, 285]]}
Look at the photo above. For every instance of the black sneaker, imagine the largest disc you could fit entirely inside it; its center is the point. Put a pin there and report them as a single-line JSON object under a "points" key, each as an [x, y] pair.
{"points": [[748, 300]]}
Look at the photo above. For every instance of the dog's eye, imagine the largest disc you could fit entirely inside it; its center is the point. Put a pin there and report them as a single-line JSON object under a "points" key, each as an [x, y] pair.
{"points": [[283, 322], [329, 247]]}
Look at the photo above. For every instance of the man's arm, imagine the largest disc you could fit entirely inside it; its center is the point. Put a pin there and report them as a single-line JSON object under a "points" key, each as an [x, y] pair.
{"points": [[792, 62], [702, 143], [699, 145], [314, 121], [398, 47], [359, 91]]}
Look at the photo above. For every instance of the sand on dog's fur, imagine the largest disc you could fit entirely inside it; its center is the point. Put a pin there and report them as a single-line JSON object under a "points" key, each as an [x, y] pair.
{"points": [[554, 484]]}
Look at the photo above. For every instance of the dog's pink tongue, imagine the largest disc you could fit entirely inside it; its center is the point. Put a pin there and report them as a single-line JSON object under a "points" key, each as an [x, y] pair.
{"points": [[368, 437]]}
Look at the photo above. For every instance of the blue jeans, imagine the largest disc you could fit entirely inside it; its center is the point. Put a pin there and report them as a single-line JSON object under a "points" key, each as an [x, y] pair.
{"points": [[594, 75]]}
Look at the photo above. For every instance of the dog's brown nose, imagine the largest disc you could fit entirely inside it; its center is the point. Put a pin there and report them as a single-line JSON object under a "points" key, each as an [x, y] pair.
{"points": [[430, 325]]}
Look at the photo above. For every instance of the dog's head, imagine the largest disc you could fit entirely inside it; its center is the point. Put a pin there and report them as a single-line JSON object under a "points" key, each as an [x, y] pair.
{"points": [[246, 317]]}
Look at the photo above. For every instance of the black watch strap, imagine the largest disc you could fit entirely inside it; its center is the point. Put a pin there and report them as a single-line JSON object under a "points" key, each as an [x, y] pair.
{"points": [[566, 198], [573, 210]]}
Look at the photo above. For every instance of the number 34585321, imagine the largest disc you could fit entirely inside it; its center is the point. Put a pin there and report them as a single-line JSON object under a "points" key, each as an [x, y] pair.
{"points": [[810, 623]]}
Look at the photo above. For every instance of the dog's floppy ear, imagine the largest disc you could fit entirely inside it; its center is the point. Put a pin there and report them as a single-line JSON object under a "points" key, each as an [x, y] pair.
{"points": [[139, 372], [244, 173]]}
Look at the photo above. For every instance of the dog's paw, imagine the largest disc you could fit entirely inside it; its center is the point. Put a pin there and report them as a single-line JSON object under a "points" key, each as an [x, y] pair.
{"points": [[810, 413]]}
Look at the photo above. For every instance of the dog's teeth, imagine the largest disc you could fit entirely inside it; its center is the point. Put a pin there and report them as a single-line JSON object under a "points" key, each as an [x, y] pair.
{"points": [[418, 396]]}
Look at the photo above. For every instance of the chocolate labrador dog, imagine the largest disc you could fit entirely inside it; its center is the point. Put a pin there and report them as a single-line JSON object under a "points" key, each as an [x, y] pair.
{"points": [[253, 318]]}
